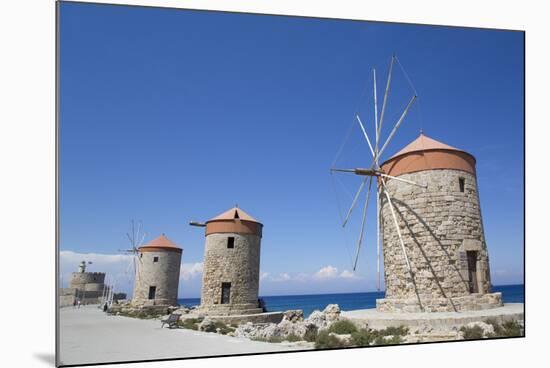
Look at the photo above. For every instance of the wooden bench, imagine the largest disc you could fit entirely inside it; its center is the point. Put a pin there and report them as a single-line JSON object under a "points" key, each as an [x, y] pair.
{"points": [[171, 320]]}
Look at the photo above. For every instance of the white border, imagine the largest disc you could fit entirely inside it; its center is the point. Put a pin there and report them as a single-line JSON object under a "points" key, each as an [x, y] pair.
{"points": [[27, 185]]}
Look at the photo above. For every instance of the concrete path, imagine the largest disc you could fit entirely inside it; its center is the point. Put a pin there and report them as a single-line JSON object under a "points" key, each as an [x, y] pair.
{"points": [[375, 319], [87, 335]]}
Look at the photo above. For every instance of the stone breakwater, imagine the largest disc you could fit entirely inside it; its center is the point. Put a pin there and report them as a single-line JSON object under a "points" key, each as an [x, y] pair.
{"points": [[371, 327], [293, 324]]}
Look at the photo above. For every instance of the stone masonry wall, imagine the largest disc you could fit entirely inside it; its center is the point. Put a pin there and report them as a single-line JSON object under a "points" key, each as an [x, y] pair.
{"points": [[91, 281], [438, 224], [239, 265], [163, 274]]}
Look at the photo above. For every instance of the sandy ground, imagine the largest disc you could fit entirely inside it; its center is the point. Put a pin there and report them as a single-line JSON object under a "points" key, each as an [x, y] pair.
{"points": [[87, 335]]}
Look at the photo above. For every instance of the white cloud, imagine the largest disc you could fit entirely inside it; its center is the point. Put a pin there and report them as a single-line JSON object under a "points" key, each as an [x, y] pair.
{"points": [[119, 268], [347, 274], [190, 270], [282, 277], [327, 272]]}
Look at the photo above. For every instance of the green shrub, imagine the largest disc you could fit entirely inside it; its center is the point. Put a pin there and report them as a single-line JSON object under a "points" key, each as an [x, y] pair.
{"points": [[512, 329], [272, 339], [311, 335], [507, 329], [293, 338], [224, 329], [325, 340], [363, 337], [189, 323], [393, 340], [367, 336], [472, 333], [394, 331], [138, 314], [342, 327]]}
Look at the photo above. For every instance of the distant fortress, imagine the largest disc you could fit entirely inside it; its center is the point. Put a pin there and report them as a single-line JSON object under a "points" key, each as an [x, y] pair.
{"points": [[88, 287]]}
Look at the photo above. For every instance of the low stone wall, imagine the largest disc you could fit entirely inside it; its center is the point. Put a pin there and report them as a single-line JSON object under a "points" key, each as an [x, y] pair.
{"points": [[150, 310], [470, 302], [269, 317], [229, 309], [441, 321]]}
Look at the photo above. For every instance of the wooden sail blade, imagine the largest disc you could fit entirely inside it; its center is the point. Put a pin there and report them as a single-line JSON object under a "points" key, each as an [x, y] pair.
{"points": [[355, 200], [375, 112], [363, 222], [404, 180], [365, 134], [396, 223], [397, 125], [378, 222], [343, 170], [384, 102]]}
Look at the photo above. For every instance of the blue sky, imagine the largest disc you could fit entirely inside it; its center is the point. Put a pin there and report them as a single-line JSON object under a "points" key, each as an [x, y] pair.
{"points": [[169, 116]]}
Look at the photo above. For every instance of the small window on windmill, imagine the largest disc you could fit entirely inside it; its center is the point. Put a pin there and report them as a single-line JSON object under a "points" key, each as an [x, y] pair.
{"points": [[231, 242], [236, 215], [141, 255], [461, 184], [155, 259]]}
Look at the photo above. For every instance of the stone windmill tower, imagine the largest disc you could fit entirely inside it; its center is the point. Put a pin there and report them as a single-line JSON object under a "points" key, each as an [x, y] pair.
{"points": [[157, 273], [428, 211], [231, 272], [442, 231]]}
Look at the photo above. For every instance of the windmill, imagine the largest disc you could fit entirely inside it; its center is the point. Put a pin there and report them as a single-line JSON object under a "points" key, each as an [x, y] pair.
{"points": [[136, 238], [375, 171]]}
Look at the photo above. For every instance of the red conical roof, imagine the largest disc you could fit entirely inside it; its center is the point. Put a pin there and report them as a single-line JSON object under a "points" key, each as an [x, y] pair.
{"points": [[234, 213], [424, 143], [425, 153], [234, 220], [161, 242]]}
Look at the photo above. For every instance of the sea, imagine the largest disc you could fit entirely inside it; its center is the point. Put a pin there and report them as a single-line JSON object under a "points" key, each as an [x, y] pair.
{"points": [[349, 301]]}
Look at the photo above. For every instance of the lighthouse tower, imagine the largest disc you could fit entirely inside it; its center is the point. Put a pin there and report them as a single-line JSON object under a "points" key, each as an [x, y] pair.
{"points": [[231, 273], [442, 231], [158, 273]]}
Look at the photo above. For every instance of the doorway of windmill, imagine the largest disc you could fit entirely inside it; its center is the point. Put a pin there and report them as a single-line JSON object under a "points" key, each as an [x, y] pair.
{"points": [[152, 292], [472, 270], [226, 292]]}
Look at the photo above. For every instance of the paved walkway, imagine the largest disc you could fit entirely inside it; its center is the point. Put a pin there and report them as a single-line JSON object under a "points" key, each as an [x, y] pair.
{"points": [[87, 335]]}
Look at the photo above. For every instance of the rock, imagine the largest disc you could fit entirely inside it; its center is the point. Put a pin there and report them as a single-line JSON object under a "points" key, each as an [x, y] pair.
{"points": [[260, 330], [299, 329], [332, 313], [345, 339], [487, 328], [296, 315], [271, 330], [322, 320], [207, 325], [171, 309], [182, 310], [318, 319]]}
